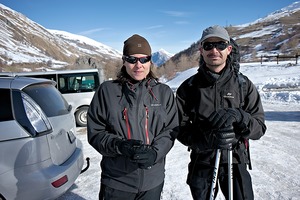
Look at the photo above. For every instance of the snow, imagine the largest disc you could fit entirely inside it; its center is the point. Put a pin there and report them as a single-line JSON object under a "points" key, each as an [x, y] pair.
{"points": [[259, 33], [24, 51], [275, 157], [294, 7], [85, 40]]}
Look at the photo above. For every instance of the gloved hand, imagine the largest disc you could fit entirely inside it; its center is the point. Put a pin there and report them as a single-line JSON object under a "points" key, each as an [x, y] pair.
{"points": [[223, 138], [145, 156], [127, 147], [225, 118]]}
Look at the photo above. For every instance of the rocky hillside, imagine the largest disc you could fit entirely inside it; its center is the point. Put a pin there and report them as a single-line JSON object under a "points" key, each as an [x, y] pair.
{"points": [[277, 33], [26, 45]]}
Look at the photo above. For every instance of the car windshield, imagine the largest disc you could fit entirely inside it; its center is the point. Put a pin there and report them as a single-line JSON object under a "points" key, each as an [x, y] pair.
{"points": [[48, 98]]}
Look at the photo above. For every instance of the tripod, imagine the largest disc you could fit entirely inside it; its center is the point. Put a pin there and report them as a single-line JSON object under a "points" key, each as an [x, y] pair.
{"points": [[215, 175]]}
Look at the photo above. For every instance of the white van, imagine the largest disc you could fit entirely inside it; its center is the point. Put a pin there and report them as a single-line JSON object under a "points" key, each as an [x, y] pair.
{"points": [[77, 87]]}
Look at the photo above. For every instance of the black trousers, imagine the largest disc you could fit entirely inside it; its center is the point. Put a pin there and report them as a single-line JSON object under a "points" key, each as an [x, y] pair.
{"points": [[200, 183], [108, 193]]}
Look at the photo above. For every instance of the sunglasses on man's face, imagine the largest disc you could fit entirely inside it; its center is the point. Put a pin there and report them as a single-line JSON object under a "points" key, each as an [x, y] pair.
{"points": [[133, 60], [207, 46]]}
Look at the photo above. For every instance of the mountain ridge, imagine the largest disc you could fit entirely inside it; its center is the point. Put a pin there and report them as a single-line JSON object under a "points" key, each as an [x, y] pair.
{"points": [[160, 57], [277, 33], [26, 45]]}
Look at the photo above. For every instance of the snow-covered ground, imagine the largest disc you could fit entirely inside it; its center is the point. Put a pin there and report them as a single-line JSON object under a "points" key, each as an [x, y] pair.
{"points": [[275, 157]]}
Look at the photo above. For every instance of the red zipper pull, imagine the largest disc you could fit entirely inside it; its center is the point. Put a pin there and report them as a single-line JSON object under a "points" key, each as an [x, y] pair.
{"points": [[125, 117]]}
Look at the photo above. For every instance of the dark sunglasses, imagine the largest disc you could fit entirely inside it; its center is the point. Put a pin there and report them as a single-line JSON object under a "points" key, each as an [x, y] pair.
{"points": [[133, 60], [207, 46]]}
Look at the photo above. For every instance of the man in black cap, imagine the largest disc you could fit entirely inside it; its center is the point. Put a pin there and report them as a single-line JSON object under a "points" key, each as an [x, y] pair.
{"points": [[213, 115], [131, 123]]}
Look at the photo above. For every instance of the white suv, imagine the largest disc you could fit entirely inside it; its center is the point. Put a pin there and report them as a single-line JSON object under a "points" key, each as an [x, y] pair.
{"points": [[40, 157]]}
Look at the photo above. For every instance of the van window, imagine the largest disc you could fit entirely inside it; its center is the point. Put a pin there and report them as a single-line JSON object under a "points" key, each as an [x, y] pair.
{"points": [[52, 103], [74, 83], [5, 105]]}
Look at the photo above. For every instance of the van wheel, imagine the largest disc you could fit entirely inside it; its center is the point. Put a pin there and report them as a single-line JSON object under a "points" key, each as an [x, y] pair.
{"points": [[80, 116]]}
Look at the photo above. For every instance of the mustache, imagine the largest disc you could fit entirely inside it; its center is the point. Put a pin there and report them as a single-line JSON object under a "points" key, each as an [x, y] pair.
{"points": [[213, 54]]}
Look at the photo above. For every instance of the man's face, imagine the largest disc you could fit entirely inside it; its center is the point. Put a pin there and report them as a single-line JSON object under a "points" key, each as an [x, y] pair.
{"points": [[215, 51]]}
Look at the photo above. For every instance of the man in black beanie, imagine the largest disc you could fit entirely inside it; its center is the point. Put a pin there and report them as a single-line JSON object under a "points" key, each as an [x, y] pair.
{"points": [[131, 123]]}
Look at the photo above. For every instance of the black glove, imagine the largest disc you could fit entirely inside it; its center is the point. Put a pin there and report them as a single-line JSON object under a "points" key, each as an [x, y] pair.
{"points": [[225, 118], [127, 147], [223, 138], [145, 156]]}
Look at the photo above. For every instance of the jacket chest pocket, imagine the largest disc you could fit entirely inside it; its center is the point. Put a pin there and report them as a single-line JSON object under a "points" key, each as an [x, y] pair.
{"points": [[156, 118]]}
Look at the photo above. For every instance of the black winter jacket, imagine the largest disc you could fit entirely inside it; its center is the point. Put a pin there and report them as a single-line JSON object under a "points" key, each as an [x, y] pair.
{"points": [[200, 95], [144, 111]]}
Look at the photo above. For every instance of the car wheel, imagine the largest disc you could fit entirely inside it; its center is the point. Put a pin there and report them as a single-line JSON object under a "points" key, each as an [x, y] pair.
{"points": [[80, 116]]}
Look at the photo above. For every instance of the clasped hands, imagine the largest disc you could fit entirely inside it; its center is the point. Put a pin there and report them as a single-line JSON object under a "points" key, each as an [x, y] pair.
{"points": [[136, 151], [221, 123]]}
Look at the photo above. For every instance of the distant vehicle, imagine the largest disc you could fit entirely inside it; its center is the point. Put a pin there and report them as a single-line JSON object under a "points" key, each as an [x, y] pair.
{"points": [[77, 86], [40, 157]]}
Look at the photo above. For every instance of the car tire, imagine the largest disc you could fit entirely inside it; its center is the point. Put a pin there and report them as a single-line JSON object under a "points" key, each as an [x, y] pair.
{"points": [[81, 116]]}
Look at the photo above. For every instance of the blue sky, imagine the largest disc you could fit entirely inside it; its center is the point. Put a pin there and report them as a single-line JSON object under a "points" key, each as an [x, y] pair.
{"points": [[169, 24]]}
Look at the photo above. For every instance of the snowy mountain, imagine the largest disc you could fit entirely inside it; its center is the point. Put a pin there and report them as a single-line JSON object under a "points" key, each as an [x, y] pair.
{"points": [[284, 12], [160, 57], [26, 45], [29, 45], [85, 44], [276, 34]]}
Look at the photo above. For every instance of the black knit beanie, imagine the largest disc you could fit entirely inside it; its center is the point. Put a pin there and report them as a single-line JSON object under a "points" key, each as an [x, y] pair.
{"points": [[136, 44]]}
